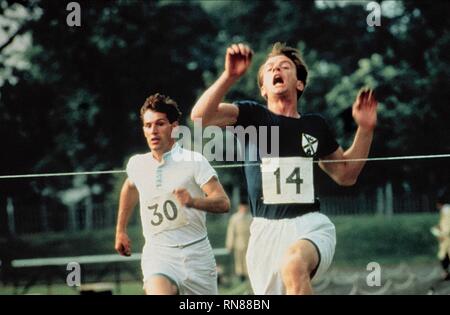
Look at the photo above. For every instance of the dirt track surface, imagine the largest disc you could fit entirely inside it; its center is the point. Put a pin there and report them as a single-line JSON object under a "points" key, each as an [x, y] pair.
{"points": [[401, 279]]}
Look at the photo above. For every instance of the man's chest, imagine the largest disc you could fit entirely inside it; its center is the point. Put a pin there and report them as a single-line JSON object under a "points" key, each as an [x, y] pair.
{"points": [[154, 181], [291, 139]]}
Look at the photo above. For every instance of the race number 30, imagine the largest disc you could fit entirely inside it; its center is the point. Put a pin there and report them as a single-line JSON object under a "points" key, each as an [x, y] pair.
{"points": [[165, 213], [287, 180]]}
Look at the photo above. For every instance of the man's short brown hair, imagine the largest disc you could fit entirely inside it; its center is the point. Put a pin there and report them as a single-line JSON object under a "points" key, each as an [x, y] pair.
{"points": [[162, 104], [293, 54]]}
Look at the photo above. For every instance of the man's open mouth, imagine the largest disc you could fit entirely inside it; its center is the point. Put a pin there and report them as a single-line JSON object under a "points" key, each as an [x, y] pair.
{"points": [[277, 79]]}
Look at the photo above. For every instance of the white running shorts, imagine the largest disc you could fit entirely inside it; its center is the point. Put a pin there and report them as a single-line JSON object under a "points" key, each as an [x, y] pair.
{"points": [[270, 239], [191, 268]]}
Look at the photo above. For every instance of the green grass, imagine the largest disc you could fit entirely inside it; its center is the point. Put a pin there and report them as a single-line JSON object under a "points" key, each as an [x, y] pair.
{"points": [[358, 238], [383, 239], [86, 242]]}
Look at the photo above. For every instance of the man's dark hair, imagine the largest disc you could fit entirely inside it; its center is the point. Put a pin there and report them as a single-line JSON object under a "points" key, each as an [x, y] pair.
{"points": [[162, 104]]}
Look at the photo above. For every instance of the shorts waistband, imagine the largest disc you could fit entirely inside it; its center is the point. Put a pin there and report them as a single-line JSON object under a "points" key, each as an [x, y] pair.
{"points": [[284, 217], [188, 244], [290, 215]]}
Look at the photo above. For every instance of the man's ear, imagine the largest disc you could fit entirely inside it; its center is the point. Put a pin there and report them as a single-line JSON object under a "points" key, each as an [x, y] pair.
{"points": [[300, 85], [263, 92], [175, 126]]}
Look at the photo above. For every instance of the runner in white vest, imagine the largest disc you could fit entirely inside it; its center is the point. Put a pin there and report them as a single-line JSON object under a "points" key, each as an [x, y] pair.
{"points": [[175, 188]]}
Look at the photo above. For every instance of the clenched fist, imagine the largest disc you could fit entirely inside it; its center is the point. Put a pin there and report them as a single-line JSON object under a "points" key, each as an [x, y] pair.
{"points": [[237, 60], [123, 244], [183, 197]]}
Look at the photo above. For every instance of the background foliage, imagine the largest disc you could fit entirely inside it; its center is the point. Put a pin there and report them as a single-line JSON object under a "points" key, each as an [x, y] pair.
{"points": [[69, 96]]}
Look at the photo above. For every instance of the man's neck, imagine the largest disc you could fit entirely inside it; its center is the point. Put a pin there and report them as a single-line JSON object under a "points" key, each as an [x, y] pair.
{"points": [[158, 154], [284, 106]]}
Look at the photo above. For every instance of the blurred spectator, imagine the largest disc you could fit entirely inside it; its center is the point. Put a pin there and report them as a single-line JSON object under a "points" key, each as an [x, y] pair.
{"points": [[442, 231], [238, 234], [220, 274]]}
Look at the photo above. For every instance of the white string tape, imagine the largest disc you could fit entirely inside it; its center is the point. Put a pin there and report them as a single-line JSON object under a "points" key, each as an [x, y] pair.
{"points": [[389, 158]]}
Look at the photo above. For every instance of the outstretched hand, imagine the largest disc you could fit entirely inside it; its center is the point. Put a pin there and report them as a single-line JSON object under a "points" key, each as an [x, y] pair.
{"points": [[237, 60], [364, 109]]}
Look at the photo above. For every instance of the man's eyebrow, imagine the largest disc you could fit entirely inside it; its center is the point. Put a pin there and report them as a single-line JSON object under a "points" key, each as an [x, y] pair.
{"points": [[158, 120], [270, 64]]}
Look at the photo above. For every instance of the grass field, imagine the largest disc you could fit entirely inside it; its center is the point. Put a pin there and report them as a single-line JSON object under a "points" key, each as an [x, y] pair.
{"points": [[361, 239]]}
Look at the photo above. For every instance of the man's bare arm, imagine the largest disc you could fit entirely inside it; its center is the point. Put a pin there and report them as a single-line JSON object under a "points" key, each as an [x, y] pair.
{"points": [[365, 114], [209, 106], [129, 197], [210, 109], [216, 199]]}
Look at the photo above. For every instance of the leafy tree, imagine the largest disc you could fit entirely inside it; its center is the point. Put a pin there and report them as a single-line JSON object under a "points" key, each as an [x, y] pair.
{"points": [[77, 107]]}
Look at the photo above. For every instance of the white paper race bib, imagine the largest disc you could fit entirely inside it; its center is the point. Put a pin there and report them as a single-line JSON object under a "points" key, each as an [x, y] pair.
{"points": [[165, 213], [287, 180]]}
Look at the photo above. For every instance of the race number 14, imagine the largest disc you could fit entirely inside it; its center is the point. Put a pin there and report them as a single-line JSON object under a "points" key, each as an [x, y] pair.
{"points": [[287, 180], [294, 178]]}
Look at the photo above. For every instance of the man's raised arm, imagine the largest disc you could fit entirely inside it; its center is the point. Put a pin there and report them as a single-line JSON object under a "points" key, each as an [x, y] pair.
{"points": [[364, 112], [209, 107]]}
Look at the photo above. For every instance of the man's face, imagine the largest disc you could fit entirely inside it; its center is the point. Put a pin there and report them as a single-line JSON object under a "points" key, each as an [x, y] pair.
{"points": [[279, 77], [158, 130]]}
